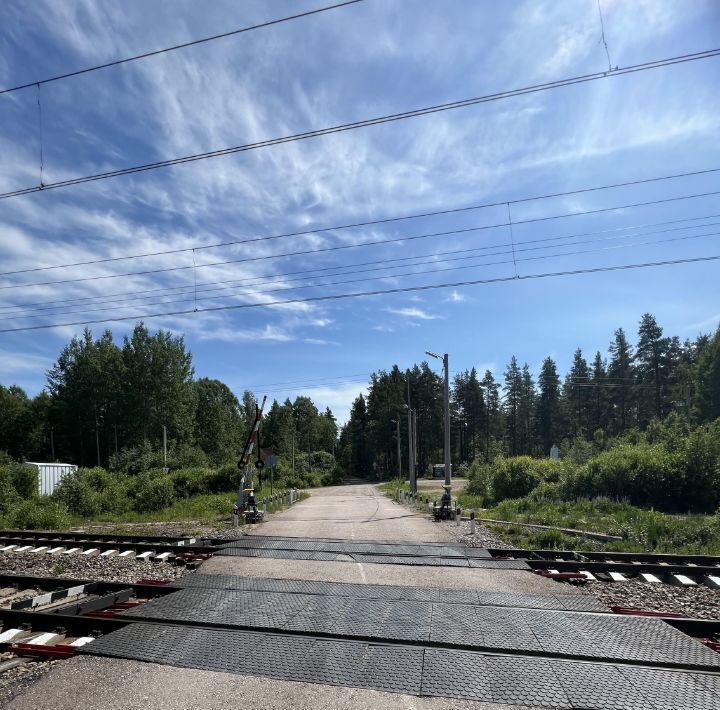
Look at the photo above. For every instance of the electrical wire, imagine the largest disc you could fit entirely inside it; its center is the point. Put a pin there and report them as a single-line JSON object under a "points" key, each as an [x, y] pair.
{"points": [[379, 120], [192, 297], [133, 295], [356, 225], [362, 244], [377, 292], [184, 45]]}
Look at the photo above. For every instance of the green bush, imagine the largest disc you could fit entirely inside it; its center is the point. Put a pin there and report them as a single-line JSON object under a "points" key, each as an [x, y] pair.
{"points": [[513, 477], [153, 491], [146, 457], [8, 495], [226, 478], [77, 494], [25, 481], [40, 513], [188, 482], [646, 475]]}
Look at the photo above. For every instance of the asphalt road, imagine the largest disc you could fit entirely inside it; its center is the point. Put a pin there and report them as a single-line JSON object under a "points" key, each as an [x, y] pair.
{"points": [[349, 512]]}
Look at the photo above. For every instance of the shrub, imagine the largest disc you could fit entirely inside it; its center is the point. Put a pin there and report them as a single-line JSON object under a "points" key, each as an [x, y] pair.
{"points": [[25, 481], [77, 494], [189, 482], [146, 457], [8, 495], [646, 475], [40, 513], [226, 478], [153, 491], [513, 477]]}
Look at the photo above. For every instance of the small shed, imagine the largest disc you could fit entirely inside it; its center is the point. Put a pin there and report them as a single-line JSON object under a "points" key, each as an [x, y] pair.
{"points": [[50, 474]]}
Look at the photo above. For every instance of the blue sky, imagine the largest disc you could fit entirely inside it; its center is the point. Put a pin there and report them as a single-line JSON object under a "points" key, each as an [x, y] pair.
{"points": [[374, 58]]}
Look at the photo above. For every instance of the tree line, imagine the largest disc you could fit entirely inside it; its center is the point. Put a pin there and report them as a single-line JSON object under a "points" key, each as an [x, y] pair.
{"points": [[106, 400], [600, 398]]}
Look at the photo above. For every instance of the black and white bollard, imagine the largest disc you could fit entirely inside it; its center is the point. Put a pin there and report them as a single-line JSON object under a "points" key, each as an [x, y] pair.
{"points": [[472, 522], [235, 516], [457, 517]]}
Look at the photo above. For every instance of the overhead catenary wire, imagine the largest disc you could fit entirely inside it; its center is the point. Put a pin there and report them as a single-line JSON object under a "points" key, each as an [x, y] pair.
{"points": [[134, 294], [371, 223], [193, 297], [173, 48], [361, 244], [365, 123], [376, 292]]}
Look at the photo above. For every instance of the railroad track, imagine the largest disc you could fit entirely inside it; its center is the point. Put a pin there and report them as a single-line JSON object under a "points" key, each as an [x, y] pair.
{"points": [[171, 549], [53, 617], [679, 570], [50, 617]]}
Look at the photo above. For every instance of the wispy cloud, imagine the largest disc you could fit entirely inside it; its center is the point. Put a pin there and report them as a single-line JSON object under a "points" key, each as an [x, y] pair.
{"points": [[455, 297], [412, 312]]}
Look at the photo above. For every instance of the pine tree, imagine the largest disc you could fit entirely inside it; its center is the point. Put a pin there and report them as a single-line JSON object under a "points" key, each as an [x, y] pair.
{"points": [[513, 395], [493, 413], [548, 417], [599, 392], [526, 410], [621, 373], [706, 405], [652, 362], [578, 395]]}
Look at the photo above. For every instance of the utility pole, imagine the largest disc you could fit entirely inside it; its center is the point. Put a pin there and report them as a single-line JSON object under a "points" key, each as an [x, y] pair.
{"points": [[415, 449], [399, 455], [446, 417], [165, 468], [97, 438], [411, 449]]}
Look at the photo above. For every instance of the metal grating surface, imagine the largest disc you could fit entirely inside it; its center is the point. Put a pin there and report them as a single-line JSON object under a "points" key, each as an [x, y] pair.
{"points": [[537, 682], [555, 633], [399, 559], [392, 592]]}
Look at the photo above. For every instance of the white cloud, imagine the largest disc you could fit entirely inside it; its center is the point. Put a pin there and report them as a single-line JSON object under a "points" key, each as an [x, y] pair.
{"points": [[13, 363], [455, 297], [418, 313]]}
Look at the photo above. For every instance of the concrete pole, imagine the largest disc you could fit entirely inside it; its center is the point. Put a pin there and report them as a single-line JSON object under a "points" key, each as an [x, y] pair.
{"points": [[447, 420], [411, 463], [414, 448], [399, 454], [165, 448]]}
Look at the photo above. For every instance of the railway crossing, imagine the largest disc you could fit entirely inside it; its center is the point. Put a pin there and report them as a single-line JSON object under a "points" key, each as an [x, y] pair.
{"points": [[293, 608]]}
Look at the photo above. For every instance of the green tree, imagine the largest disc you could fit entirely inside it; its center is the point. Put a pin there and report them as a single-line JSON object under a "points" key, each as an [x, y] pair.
{"points": [[549, 416], [513, 395], [494, 415], [706, 405], [578, 395], [621, 374], [652, 360], [217, 422], [158, 388]]}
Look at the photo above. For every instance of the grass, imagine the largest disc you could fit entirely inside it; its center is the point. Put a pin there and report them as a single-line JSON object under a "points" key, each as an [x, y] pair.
{"points": [[641, 530], [211, 509]]}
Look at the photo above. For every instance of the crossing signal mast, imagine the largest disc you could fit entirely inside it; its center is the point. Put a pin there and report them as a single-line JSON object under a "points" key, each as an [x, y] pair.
{"points": [[244, 464]]}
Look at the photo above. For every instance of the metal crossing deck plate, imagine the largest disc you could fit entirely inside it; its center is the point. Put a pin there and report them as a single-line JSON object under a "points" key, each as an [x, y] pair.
{"points": [[415, 670], [366, 551], [559, 633], [574, 602]]}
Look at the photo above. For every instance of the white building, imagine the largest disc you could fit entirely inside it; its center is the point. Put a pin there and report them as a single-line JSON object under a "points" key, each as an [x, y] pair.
{"points": [[50, 474]]}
